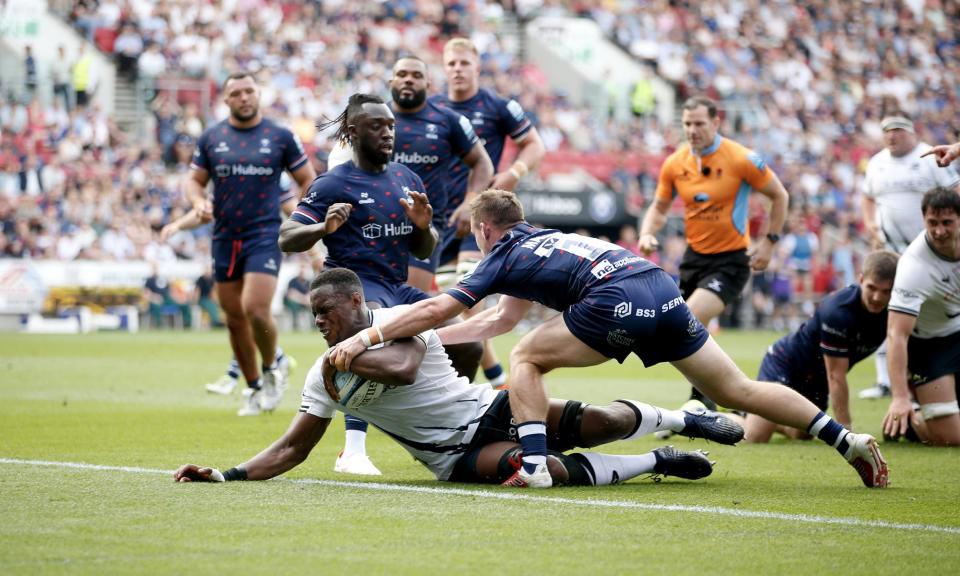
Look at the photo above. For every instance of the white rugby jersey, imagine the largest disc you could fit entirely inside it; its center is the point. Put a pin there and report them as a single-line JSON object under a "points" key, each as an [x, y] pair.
{"points": [[897, 185], [434, 418], [928, 286]]}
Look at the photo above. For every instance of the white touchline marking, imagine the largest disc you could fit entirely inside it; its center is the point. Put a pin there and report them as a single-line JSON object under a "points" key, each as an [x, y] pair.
{"points": [[505, 495]]}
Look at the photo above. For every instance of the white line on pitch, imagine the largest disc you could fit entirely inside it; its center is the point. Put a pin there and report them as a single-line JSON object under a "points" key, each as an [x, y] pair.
{"points": [[505, 495]]}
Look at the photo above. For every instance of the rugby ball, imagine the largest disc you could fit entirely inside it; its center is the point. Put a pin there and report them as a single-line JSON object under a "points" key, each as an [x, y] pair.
{"points": [[356, 391]]}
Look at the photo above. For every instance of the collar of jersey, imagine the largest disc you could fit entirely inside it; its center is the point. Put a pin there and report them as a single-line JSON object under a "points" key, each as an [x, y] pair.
{"points": [[926, 238], [711, 149]]}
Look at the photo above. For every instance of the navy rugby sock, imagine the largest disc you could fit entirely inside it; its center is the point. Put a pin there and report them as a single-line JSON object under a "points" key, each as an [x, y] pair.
{"points": [[533, 440], [493, 372], [830, 431]]}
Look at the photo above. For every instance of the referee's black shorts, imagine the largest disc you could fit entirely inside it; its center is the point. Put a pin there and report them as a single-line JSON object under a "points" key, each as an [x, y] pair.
{"points": [[725, 274]]}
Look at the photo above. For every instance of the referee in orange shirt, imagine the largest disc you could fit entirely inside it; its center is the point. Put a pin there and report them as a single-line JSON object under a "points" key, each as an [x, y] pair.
{"points": [[714, 176]]}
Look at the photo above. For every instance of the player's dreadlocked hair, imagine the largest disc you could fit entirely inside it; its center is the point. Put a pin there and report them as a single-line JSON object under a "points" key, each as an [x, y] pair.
{"points": [[354, 107]]}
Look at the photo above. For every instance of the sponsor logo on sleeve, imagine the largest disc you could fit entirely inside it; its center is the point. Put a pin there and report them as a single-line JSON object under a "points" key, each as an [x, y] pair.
{"points": [[515, 110], [467, 128]]}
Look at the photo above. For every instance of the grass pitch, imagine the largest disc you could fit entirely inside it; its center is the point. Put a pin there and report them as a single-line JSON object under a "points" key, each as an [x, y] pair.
{"points": [[134, 405]]}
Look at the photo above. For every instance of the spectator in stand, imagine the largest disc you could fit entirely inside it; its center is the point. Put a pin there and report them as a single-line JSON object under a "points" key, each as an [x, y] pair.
{"points": [[60, 76], [84, 77], [127, 48], [30, 78]]}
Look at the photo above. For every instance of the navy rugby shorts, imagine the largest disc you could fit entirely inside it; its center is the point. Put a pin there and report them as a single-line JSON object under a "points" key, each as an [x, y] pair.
{"points": [[643, 314]]}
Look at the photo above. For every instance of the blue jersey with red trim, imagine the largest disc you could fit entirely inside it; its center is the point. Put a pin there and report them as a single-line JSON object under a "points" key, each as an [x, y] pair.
{"points": [[245, 165], [374, 242], [841, 326], [547, 266], [431, 142], [494, 119]]}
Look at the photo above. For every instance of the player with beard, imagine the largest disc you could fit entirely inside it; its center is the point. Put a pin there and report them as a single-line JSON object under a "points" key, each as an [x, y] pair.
{"points": [[372, 215], [494, 119], [245, 156], [436, 143]]}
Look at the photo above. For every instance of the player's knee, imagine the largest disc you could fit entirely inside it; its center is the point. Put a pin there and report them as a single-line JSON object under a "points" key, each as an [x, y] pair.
{"points": [[942, 423], [568, 470], [558, 471], [606, 423], [258, 314]]}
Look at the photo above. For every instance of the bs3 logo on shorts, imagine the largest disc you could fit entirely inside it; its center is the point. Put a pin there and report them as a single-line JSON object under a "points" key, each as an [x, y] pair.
{"points": [[624, 309]]}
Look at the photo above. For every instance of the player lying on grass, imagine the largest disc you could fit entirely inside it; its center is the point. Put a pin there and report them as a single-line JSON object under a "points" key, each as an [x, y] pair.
{"points": [[463, 432], [849, 325], [614, 303]]}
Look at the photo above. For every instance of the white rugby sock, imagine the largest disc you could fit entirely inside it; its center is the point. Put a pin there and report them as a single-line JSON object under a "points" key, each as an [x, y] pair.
{"points": [[356, 442], [611, 469], [653, 419], [883, 375]]}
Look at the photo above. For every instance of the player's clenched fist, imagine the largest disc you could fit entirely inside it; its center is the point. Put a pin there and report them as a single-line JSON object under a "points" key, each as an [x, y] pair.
{"points": [[337, 214]]}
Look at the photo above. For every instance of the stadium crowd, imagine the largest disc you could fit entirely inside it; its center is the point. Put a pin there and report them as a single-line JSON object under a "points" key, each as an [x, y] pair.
{"points": [[806, 86]]}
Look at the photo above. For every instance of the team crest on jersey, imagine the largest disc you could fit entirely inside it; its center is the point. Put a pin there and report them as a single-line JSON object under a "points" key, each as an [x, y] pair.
{"points": [[365, 198], [265, 146], [432, 132], [221, 148]]}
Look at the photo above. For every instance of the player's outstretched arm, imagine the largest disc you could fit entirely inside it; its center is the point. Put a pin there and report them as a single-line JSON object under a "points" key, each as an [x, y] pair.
{"points": [[945, 154], [490, 323], [899, 328], [421, 316], [286, 453]]}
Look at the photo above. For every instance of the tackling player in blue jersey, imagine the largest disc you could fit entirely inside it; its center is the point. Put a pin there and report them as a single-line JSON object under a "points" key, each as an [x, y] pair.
{"points": [[613, 303], [494, 119], [847, 326], [245, 156], [438, 144]]}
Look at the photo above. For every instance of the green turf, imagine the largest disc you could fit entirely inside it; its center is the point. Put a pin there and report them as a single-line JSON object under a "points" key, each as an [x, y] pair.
{"points": [[138, 401]]}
